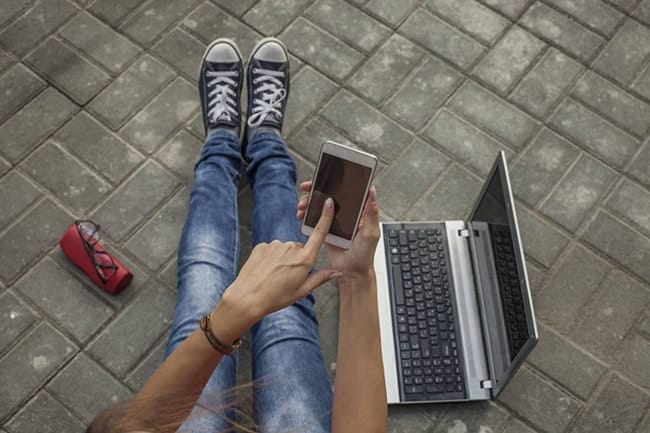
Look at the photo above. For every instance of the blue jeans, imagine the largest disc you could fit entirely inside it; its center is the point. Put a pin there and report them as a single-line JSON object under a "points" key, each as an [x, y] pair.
{"points": [[292, 391]]}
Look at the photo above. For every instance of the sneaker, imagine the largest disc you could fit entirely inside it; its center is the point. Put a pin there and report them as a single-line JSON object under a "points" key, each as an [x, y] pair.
{"points": [[268, 87], [220, 85]]}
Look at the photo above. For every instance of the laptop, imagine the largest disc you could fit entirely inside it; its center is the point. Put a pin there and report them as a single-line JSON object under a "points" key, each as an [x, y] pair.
{"points": [[455, 310]]}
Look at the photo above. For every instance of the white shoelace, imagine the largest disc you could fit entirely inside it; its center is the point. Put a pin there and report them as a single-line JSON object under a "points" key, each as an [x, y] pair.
{"points": [[220, 99], [271, 94]]}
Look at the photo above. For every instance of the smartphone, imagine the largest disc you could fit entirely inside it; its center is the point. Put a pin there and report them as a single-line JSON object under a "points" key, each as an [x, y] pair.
{"points": [[345, 174]]}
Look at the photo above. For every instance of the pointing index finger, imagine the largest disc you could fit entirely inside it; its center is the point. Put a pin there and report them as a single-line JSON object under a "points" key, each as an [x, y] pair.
{"points": [[322, 228]]}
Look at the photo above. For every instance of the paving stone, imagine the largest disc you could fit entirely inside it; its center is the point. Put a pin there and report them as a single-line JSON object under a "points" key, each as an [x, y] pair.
{"points": [[644, 325], [472, 17], [593, 133], [412, 419], [9, 8], [617, 409], [148, 23], [130, 91], [640, 164], [540, 166], [510, 8], [17, 86], [620, 242], [180, 155], [309, 91], [181, 50], [575, 281], [71, 304], [536, 277], [548, 409], [366, 125], [610, 315], [626, 5], [71, 182], [566, 363], [493, 114], [33, 235], [149, 365], [237, 8], [386, 69], [48, 110], [348, 23], [610, 101], [578, 192], [390, 11], [113, 11], [208, 22], [467, 143], [642, 11], [165, 113], [410, 176], [92, 142], [597, 15], [168, 274], [451, 199], [77, 77], [126, 340], [16, 194], [321, 50], [512, 425], [642, 83], [103, 44], [541, 241], [15, 318], [4, 166], [135, 199], [631, 202], [561, 30], [100, 390], [156, 242], [6, 59], [475, 417], [309, 139], [626, 53], [634, 360], [504, 65], [29, 363], [304, 169], [39, 21], [545, 84], [46, 415], [270, 19], [441, 38], [644, 425], [423, 93]]}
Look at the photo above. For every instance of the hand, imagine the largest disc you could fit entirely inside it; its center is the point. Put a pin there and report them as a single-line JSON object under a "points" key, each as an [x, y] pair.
{"points": [[358, 261], [277, 274]]}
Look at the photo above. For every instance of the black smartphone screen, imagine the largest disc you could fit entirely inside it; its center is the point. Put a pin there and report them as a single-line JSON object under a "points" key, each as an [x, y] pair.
{"points": [[345, 181]]}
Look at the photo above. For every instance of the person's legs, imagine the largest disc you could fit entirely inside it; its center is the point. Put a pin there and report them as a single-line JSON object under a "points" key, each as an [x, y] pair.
{"points": [[292, 388], [209, 245]]}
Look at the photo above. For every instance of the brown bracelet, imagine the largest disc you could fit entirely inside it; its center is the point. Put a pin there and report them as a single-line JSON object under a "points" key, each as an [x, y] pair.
{"points": [[214, 341]]}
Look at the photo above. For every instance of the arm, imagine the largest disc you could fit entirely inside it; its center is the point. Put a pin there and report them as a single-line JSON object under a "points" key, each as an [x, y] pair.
{"points": [[360, 392]]}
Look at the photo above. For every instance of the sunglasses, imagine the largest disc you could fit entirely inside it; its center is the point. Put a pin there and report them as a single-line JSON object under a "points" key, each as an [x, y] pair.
{"points": [[103, 262]]}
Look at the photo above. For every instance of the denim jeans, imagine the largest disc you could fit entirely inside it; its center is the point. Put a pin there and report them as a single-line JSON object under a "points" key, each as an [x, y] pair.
{"points": [[292, 392]]}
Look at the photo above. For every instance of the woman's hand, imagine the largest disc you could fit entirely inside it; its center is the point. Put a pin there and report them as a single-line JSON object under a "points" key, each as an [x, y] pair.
{"points": [[355, 263], [277, 274]]}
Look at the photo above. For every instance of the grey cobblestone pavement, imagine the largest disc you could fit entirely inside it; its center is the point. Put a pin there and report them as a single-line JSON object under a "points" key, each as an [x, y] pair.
{"points": [[99, 117]]}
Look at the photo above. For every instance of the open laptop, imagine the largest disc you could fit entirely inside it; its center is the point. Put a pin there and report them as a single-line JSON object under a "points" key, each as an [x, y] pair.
{"points": [[455, 311]]}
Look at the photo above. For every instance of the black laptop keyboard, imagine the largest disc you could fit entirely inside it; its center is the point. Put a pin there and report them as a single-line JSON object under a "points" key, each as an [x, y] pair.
{"points": [[428, 343], [511, 299]]}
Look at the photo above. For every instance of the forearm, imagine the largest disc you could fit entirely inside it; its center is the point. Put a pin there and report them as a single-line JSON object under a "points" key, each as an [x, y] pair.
{"points": [[360, 391], [179, 381]]}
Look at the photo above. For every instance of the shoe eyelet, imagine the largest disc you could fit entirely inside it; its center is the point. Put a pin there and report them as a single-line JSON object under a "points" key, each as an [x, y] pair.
{"points": [[255, 70]]}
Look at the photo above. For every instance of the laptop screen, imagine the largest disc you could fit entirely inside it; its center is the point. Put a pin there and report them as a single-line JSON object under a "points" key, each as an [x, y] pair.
{"points": [[501, 275]]}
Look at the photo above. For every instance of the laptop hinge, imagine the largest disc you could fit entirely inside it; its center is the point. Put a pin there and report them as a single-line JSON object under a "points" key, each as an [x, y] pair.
{"points": [[486, 384], [463, 233]]}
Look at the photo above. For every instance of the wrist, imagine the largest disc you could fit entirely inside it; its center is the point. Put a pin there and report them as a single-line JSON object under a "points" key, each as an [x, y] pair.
{"points": [[231, 318], [357, 281]]}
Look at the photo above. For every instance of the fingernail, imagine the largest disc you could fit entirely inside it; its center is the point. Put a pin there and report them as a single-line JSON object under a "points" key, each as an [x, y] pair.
{"points": [[373, 194], [336, 275], [329, 203]]}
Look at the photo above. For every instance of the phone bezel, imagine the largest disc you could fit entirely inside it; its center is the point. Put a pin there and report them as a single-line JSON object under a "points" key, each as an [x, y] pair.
{"points": [[353, 155]]}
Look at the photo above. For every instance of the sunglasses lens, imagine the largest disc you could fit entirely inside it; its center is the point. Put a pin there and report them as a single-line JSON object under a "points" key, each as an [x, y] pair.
{"points": [[89, 232], [104, 265]]}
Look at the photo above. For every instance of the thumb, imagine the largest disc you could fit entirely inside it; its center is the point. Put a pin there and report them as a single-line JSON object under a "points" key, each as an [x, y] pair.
{"points": [[318, 278], [371, 214]]}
